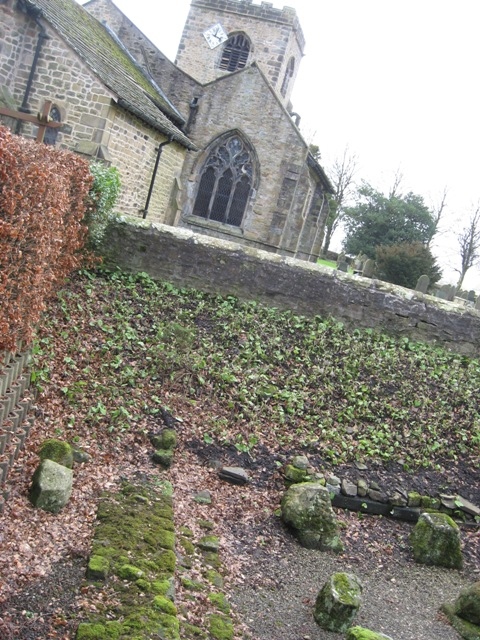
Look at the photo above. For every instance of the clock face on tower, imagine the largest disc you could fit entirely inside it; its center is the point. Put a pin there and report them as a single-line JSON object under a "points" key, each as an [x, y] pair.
{"points": [[215, 35]]}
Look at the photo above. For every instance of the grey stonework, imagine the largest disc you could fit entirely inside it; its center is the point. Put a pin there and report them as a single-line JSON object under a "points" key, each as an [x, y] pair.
{"points": [[275, 34], [100, 79], [188, 259]]}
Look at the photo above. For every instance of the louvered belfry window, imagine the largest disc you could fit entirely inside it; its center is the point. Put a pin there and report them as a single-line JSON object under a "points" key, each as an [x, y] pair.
{"points": [[235, 53], [226, 183]]}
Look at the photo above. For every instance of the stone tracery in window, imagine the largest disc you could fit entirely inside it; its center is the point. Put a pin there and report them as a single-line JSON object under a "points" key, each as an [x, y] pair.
{"points": [[226, 183]]}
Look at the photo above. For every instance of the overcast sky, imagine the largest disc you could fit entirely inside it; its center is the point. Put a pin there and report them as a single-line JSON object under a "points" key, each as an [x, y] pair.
{"points": [[395, 81]]}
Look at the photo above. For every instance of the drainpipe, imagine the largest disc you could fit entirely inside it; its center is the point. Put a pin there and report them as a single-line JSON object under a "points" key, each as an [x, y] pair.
{"points": [[42, 36], [193, 106], [154, 174]]}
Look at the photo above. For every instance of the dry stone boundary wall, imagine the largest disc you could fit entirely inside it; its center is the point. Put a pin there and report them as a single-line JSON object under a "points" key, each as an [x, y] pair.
{"points": [[187, 259]]}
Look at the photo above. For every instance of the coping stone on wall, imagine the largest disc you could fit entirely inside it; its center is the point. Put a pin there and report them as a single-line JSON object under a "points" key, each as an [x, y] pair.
{"points": [[185, 258]]}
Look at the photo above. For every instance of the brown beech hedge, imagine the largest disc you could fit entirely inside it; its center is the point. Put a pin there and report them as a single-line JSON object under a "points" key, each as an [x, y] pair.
{"points": [[43, 202]]}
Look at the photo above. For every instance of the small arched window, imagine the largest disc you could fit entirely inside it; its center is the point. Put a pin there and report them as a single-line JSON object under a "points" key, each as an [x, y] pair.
{"points": [[226, 183], [288, 76], [51, 134], [235, 53]]}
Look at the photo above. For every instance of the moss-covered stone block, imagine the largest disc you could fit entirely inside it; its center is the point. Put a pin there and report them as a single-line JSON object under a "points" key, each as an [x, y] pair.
{"points": [[467, 630], [338, 602], [435, 541], [129, 572], [192, 585], [209, 543], [307, 510], [96, 631], [192, 631], [360, 633], [98, 568], [214, 578], [219, 601], [165, 605], [293, 475], [164, 587], [164, 457], [58, 451], [166, 439], [220, 627], [187, 545], [166, 539], [414, 499]]}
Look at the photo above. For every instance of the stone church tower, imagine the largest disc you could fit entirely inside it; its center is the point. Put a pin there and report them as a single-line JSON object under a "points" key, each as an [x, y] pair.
{"points": [[222, 36]]}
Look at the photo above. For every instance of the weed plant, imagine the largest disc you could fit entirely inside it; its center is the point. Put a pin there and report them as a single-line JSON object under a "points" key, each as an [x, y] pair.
{"points": [[259, 375]]}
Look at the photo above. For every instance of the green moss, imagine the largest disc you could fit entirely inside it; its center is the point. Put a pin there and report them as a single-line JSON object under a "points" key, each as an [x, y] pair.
{"points": [[360, 633], [209, 543], [220, 627], [294, 475], [435, 540], [166, 562], [143, 585], [214, 578], [466, 629], [192, 585], [414, 499], [166, 539], [220, 602], [107, 631], [185, 531], [163, 457], [212, 559], [163, 587], [206, 524], [187, 546], [98, 567], [165, 605], [58, 451], [191, 631], [167, 439], [129, 572]]}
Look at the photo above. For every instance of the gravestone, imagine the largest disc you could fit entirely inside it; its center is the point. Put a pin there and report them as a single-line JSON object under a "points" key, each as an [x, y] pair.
{"points": [[446, 292], [342, 265], [422, 284], [477, 303], [471, 296], [368, 268]]}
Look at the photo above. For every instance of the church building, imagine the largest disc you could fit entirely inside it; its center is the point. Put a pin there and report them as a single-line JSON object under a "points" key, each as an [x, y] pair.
{"points": [[246, 172]]}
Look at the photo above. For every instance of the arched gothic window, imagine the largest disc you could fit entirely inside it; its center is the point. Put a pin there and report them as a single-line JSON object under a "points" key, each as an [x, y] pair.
{"points": [[288, 76], [51, 134], [226, 183], [235, 53]]}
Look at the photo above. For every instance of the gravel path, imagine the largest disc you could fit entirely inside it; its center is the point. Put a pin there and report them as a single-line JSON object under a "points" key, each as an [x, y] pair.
{"points": [[400, 598]]}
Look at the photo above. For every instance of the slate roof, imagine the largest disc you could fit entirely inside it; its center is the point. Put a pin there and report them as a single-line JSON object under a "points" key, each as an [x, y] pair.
{"points": [[112, 64]]}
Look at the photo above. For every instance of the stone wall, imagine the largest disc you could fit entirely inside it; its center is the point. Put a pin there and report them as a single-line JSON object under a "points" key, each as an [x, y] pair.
{"points": [[275, 34], [188, 259]]}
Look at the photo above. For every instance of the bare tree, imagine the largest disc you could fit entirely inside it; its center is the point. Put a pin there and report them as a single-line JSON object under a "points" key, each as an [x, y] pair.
{"points": [[342, 175], [437, 214], [397, 182], [469, 243]]}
